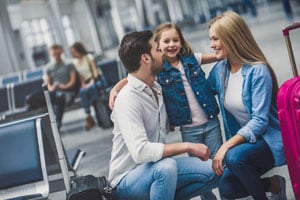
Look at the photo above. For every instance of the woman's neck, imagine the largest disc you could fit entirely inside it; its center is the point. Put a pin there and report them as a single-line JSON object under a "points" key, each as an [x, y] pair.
{"points": [[234, 65]]}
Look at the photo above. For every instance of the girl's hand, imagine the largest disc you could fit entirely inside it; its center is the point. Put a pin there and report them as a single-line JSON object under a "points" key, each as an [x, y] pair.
{"points": [[112, 97]]}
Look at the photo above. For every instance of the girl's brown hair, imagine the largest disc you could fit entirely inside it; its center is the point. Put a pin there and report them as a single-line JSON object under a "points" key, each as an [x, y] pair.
{"points": [[186, 49]]}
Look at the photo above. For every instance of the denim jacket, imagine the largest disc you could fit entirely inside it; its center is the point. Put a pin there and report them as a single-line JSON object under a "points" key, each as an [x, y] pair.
{"points": [[175, 98], [257, 98]]}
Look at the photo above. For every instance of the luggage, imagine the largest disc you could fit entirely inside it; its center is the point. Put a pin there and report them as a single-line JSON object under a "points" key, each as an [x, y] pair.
{"points": [[86, 187], [103, 112], [89, 187], [288, 103]]}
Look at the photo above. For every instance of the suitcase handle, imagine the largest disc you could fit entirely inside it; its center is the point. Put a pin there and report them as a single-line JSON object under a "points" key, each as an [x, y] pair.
{"points": [[287, 29], [286, 34]]}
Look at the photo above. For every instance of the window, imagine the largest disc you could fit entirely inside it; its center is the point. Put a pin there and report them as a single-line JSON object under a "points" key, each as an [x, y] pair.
{"points": [[68, 30], [38, 32]]}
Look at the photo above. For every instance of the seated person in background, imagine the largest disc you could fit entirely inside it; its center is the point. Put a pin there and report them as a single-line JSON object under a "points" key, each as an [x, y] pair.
{"points": [[61, 80], [142, 166], [88, 71], [246, 86]]}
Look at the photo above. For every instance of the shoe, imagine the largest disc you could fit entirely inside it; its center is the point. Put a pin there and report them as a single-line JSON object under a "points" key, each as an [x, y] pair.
{"points": [[89, 122], [282, 194]]}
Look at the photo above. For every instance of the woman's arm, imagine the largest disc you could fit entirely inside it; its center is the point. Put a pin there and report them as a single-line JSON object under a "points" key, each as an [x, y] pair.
{"points": [[93, 65]]}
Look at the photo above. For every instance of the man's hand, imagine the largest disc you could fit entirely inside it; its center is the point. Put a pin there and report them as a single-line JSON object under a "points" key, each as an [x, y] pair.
{"points": [[199, 150]]}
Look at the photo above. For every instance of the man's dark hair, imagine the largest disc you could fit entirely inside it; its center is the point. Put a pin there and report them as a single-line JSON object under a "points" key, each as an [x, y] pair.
{"points": [[132, 46]]}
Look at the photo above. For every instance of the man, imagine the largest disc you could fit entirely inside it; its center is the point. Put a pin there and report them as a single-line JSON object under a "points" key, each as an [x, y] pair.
{"points": [[141, 165], [61, 80]]}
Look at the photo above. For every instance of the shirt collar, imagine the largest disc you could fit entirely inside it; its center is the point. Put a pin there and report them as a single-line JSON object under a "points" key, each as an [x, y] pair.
{"points": [[140, 85]]}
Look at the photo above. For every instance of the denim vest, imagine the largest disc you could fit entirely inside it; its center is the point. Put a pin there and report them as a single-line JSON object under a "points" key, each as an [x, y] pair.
{"points": [[175, 98]]}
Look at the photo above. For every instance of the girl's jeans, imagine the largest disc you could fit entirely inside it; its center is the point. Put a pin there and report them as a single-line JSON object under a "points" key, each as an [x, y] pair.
{"points": [[209, 134]]}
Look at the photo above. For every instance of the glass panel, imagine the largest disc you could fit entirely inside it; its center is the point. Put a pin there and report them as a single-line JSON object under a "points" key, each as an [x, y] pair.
{"points": [[66, 21], [70, 36], [35, 26], [44, 24]]}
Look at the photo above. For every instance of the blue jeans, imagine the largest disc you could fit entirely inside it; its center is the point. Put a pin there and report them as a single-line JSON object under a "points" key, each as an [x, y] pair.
{"points": [[209, 134], [245, 164], [169, 178], [88, 96]]}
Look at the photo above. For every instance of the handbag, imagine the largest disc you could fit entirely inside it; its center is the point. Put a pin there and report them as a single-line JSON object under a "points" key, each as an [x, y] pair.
{"points": [[99, 80], [90, 187]]}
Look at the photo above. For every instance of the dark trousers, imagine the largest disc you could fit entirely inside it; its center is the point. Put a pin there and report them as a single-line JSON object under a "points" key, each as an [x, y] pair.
{"points": [[245, 164], [58, 100]]}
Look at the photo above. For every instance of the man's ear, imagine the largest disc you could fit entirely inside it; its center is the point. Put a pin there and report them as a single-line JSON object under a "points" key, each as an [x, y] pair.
{"points": [[145, 58]]}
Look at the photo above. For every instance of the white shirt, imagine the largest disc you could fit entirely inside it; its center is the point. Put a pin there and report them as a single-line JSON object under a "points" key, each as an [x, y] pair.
{"points": [[233, 98], [140, 126]]}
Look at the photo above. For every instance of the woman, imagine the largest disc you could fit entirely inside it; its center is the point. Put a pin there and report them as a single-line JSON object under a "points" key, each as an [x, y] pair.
{"points": [[243, 80], [86, 66]]}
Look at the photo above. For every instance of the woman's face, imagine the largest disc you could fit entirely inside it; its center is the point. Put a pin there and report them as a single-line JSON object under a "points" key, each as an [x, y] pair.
{"points": [[217, 45], [75, 53], [170, 43]]}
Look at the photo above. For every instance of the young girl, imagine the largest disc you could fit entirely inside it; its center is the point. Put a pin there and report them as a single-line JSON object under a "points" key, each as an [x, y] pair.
{"points": [[189, 100]]}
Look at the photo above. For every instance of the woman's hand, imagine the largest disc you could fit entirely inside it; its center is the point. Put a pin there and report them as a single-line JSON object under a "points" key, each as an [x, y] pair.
{"points": [[218, 160]]}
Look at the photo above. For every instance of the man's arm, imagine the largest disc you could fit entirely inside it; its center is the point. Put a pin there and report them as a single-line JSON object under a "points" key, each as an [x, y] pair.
{"points": [[69, 84], [48, 81], [197, 149]]}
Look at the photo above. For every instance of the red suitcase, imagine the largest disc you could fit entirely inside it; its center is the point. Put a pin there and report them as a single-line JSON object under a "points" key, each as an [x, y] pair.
{"points": [[288, 103]]}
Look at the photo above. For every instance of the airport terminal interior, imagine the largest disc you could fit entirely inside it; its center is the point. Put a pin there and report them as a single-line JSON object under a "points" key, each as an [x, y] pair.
{"points": [[29, 27]]}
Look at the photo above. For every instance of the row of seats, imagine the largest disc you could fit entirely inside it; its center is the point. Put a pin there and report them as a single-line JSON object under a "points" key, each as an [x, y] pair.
{"points": [[29, 159], [23, 76], [28, 154], [13, 95]]}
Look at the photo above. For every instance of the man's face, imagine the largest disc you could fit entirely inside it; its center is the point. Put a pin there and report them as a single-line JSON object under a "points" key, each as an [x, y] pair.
{"points": [[157, 60], [56, 54]]}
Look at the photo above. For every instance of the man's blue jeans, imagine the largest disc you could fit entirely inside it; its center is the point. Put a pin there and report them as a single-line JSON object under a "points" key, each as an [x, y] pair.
{"points": [[169, 178], [245, 164]]}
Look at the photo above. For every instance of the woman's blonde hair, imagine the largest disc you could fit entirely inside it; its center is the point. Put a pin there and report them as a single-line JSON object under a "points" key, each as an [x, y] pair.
{"points": [[186, 49], [236, 36]]}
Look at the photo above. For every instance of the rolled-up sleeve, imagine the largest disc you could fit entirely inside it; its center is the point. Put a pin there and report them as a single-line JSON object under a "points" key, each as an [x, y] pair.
{"points": [[259, 84]]}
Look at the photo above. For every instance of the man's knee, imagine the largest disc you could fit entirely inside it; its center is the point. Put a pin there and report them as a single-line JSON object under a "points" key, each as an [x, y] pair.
{"points": [[167, 166]]}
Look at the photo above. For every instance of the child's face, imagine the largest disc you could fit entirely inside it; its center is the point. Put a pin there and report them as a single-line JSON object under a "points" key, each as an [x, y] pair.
{"points": [[170, 43]]}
